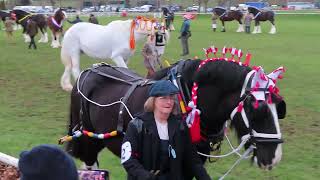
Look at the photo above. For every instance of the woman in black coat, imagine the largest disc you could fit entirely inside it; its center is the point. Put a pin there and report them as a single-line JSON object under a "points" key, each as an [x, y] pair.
{"points": [[157, 143]]}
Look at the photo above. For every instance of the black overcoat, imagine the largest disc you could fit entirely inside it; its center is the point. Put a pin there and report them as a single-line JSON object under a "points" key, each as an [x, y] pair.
{"points": [[142, 163]]}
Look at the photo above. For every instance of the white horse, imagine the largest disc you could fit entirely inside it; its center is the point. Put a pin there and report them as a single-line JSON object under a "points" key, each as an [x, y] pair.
{"points": [[114, 41]]}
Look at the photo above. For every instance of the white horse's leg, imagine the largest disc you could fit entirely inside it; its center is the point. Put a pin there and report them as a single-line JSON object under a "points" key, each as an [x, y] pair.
{"points": [[52, 38], [119, 61], [15, 27], [273, 29], [41, 39], [93, 167], [254, 30], [259, 29], [75, 61], [55, 43], [27, 38], [58, 40], [45, 40], [240, 28], [65, 81]]}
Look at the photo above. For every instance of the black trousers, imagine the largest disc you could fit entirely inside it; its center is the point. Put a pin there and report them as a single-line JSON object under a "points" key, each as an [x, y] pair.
{"points": [[32, 43], [247, 29]]}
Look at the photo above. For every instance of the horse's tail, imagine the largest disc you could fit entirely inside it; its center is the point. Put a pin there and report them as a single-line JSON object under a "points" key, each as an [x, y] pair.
{"points": [[84, 148], [74, 147]]}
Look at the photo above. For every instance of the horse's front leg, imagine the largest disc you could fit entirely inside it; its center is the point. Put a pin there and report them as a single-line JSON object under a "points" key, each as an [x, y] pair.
{"points": [[27, 38], [259, 28], [256, 24], [54, 43], [119, 61], [240, 28], [44, 36], [223, 28], [273, 27]]}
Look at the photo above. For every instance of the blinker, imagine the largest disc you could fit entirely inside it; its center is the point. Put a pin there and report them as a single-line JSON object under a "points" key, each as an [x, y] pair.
{"points": [[267, 140]]}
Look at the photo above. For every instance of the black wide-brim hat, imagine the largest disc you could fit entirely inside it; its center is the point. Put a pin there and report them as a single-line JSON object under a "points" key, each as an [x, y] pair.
{"points": [[162, 88]]}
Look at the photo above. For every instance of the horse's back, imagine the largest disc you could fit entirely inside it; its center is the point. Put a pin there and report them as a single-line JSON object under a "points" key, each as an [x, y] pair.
{"points": [[98, 41], [102, 85]]}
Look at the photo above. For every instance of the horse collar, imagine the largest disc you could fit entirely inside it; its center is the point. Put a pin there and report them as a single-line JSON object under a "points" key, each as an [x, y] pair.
{"points": [[257, 15], [56, 23], [20, 20], [223, 14]]}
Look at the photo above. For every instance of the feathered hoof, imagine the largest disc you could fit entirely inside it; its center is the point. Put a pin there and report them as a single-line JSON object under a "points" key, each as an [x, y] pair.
{"points": [[67, 88]]}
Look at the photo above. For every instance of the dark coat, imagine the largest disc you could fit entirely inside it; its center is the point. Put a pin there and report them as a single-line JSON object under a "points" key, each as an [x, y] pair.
{"points": [[77, 20], [93, 20], [32, 28], [143, 136]]}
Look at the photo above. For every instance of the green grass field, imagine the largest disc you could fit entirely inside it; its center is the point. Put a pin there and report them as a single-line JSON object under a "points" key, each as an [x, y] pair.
{"points": [[34, 109]]}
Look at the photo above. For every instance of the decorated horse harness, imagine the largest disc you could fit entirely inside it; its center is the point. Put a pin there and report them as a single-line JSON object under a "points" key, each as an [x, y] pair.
{"points": [[261, 88]]}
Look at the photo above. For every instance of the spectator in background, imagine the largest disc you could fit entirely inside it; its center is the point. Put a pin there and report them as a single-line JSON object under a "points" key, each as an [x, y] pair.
{"points": [[9, 28], [47, 162], [150, 57], [93, 19], [32, 31], [247, 22], [77, 20], [185, 33], [160, 43]]}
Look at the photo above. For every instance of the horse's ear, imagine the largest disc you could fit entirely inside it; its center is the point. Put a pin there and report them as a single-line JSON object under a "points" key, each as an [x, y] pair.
{"points": [[259, 79], [276, 74], [281, 109]]}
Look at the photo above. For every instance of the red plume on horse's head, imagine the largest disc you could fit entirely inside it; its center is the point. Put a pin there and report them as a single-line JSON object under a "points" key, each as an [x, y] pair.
{"points": [[233, 51]]}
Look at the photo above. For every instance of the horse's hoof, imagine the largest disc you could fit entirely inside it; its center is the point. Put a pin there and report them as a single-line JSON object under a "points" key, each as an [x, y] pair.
{"points": [[67, 88]]}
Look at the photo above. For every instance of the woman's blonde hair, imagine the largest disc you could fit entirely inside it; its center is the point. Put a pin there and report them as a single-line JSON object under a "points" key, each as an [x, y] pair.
{"points": [[149, 106]]}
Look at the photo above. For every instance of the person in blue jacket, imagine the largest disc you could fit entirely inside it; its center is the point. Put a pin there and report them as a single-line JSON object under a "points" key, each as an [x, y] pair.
{"points": [[185, 34]]}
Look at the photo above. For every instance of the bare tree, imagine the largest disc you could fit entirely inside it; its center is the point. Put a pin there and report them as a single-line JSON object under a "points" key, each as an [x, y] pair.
{"points": [[25, 2], [2, 5], [199, 4], [205, 5], [52, 2]]}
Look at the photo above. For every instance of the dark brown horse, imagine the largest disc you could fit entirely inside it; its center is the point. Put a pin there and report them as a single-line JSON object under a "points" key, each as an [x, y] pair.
{"points": [[169, 18], [3, 15], [223, 86], [260, 15], [40, 19], [55, 24], [225, 15]]}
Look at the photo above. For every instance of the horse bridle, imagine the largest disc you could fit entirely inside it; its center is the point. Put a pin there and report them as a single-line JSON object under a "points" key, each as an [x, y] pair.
{"points": [[254, 136], [212, 140]]}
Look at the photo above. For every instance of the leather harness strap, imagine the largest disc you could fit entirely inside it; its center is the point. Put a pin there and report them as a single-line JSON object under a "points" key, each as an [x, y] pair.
{"points": [[135, 82], [124, 100], [110, 76]]}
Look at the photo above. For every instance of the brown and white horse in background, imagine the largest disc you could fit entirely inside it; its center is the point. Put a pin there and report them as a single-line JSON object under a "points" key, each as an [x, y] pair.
{"points": [[55, 23]]}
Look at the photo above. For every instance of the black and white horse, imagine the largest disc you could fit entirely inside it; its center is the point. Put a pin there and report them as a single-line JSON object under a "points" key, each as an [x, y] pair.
{"points": [[225, 90], [260, 15], [225, 15]]}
